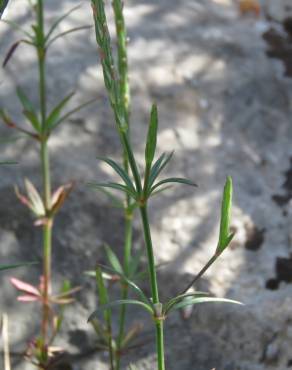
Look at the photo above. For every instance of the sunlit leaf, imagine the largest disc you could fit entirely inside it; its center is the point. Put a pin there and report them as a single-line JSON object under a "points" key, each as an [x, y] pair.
{"points": [[119, 303], [193, 301], [225, 236], [151, 137]]}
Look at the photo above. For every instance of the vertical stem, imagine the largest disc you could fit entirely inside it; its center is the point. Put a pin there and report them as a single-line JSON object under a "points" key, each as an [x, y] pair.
{"points": [[150, 254], [160, 345], [154, 287], [124, 88], [45, 165], [125, 289]]}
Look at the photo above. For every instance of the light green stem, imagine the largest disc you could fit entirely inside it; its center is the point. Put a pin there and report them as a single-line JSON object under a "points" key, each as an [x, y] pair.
{"points": [[160, 344], [154, 287], [125, 288], [45, 165], [125, 100]]}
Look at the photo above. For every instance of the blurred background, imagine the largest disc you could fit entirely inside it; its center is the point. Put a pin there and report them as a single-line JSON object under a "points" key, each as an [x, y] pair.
{"points": [[222, 81]]}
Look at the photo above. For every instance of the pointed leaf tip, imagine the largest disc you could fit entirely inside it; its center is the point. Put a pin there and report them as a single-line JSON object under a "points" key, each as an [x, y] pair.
{"points": [[151, 136], [225, 236]]}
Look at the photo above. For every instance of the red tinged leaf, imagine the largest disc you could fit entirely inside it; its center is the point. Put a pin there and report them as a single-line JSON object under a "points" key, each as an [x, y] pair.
{"points": [[28, 298], [25, 287], [59, 197], [11, 52]]}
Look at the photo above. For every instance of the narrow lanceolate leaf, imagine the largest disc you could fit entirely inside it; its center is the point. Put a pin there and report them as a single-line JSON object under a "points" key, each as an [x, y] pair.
{"points": [[116, 202], [70, 113], [151, 137], [16, 27], [158, 167], [133, 285], [28, 109], [192, 301], [7, 162], [181, 297], [119, 303], [55, 113], [113, 259], [225, 236], [120, 171], [10, 52], [58, 21], [102, 293], [62, 34], [173, 180], [15, 265], [113, 185]]}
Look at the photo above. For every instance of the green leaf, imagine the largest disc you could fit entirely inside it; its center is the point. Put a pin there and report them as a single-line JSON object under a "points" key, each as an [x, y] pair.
{"points": [[158, 166], [193, 301], [55, 113], [7, 162], [33, 119], [181, 297], [119, 303], [16, 265], [59, 20], [225, 236], [173, 180], [62, 34], [115, 186], [113, 260], [102, 293], [28, 109], [137, 289], [135, 260], [26, 103], [71, 112], [151, 137], [116, 202], [120, 171], [16, 27]]}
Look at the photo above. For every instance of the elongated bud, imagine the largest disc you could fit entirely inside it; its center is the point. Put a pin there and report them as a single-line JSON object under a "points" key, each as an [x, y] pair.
{"points": [[151, 136], [225, 235]]}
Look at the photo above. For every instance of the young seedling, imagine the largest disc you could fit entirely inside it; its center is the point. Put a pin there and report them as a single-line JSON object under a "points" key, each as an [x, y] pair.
{"points": [[45, 204], [141, 189]]}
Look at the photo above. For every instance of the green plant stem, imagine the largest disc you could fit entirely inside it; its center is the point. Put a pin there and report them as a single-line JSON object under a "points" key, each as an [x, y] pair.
{"points": [[125, 101], [160, 344], [154, 287], [45, 165], [125, 287]]}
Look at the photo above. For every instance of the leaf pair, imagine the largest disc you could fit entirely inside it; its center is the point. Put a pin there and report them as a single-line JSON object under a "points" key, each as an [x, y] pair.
{"points": [[160, 311], [152, 172], [151, 187], [34, 201], [37, 39], [31, 293]]}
